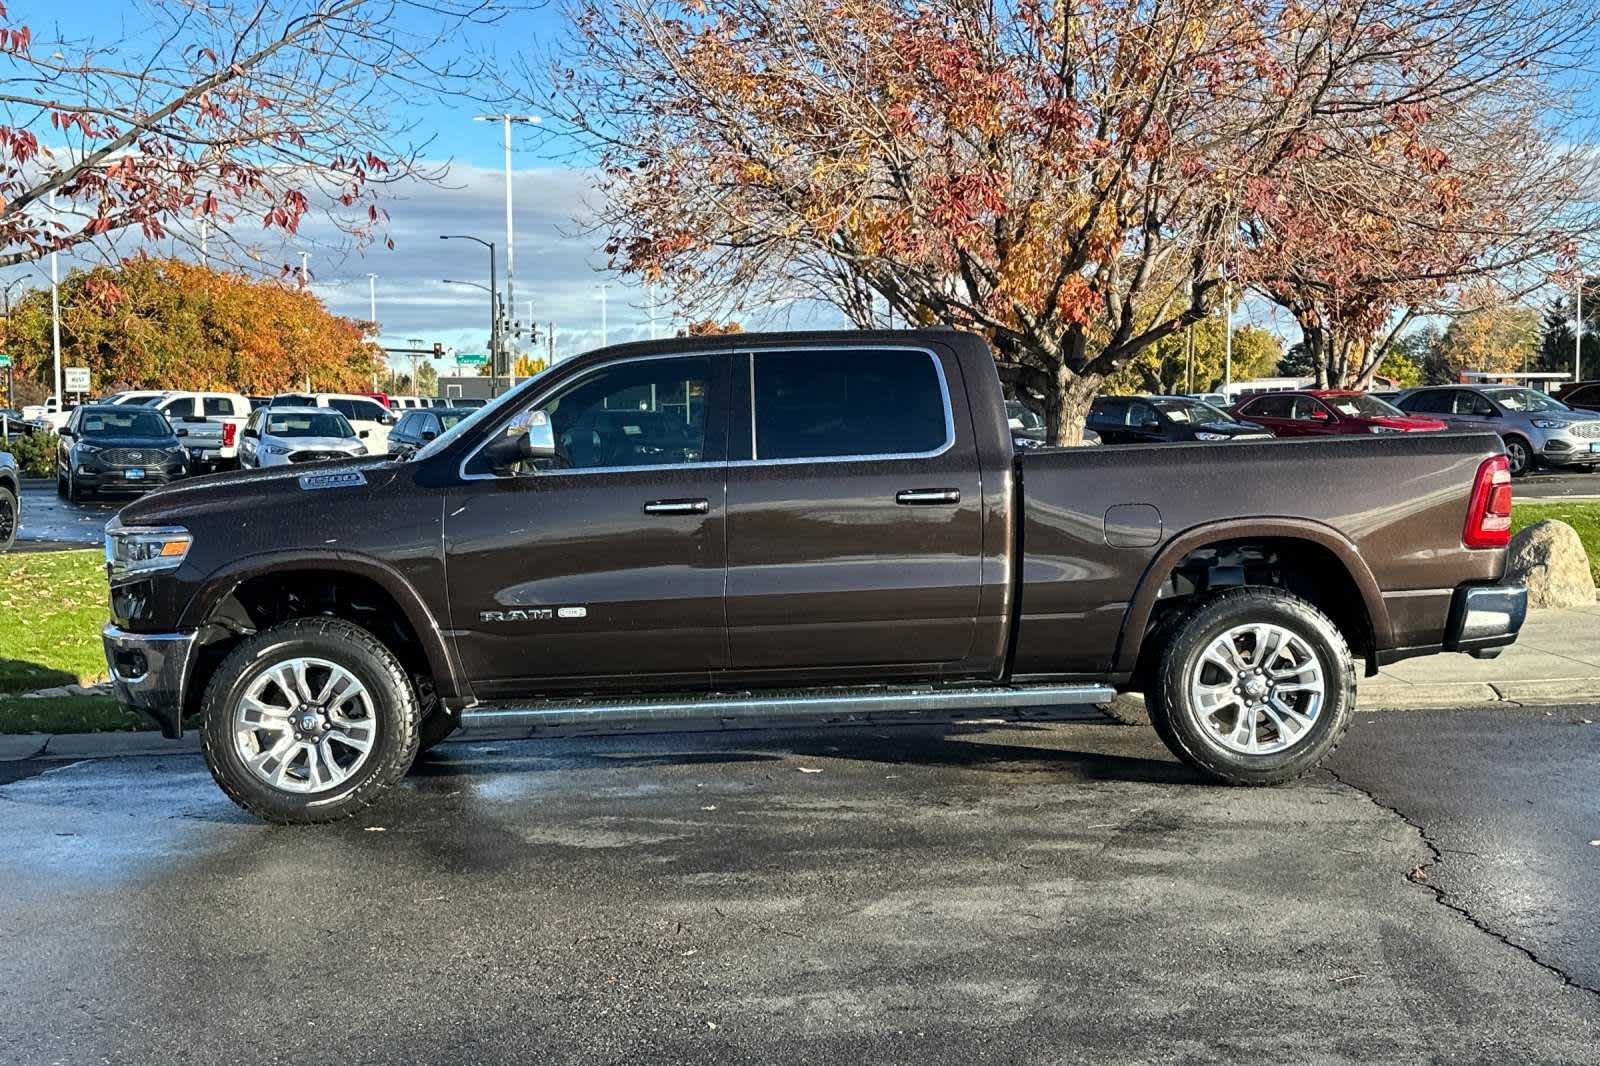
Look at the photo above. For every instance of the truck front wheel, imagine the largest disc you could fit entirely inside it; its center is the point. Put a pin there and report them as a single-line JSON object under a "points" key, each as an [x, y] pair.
{"points": [[309, 721], [1255, 687]]}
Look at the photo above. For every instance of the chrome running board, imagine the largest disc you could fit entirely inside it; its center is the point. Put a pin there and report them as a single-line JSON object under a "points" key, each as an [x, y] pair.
{"points": [[780, 705]]}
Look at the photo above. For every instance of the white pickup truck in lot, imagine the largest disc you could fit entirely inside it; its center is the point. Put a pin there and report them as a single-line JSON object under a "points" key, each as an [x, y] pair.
{"points": [[213, 420]]}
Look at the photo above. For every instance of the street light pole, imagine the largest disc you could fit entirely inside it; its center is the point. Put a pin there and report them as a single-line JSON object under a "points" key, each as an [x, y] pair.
{"points": [[494, 310], [55, 314], [305, 274], [1577, 344], [505, 122], [605, 332]]}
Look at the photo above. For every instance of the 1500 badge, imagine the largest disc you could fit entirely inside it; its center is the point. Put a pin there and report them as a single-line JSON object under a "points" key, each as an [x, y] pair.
{"points": [[533, 614]]}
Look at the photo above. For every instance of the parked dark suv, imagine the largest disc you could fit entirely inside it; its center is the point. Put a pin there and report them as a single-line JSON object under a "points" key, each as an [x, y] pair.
{"points": [[418, 427], [1152, 419], [118, 448]]}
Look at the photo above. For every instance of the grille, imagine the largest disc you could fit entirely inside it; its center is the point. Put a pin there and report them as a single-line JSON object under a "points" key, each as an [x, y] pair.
{"points": [[315, 457], [1587, 430], [133, 456]]}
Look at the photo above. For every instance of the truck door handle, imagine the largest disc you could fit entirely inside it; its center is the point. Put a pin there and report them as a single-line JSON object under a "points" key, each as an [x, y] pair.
{"points": [[927, 497], [677, 507]]}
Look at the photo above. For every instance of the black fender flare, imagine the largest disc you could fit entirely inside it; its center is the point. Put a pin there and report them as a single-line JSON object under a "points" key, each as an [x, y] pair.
{"points": [[221, 583], [1137, 616]]}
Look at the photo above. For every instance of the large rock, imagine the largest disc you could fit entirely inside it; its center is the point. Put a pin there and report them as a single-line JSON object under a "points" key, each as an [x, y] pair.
{"points": [[1548, 558]]}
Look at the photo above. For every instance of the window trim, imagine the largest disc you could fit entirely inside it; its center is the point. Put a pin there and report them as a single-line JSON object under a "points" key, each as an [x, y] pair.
{"points": [[711, 356], [858, 457]]}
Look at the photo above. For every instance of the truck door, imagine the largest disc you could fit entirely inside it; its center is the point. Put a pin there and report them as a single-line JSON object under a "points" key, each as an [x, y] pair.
{"points": [[855, 538], [609, 560]]}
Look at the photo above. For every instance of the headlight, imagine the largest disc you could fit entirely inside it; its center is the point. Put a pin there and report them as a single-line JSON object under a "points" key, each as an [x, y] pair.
{"points": [[135, 550], [89, 449], [1201, 434], [1384, 429], [1550, 423], [275, 449]]}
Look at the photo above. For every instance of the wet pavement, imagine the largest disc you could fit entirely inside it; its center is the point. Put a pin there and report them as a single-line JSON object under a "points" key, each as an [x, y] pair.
{"points": [[1039, 893], [48, 517], [1557, 485]]}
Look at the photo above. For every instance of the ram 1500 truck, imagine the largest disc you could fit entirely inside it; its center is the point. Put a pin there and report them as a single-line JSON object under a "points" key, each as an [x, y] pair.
{"points": [[788, 524]]}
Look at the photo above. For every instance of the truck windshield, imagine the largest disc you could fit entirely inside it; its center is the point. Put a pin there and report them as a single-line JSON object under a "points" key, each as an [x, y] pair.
{"points": [[488, 412], [308, 424]]}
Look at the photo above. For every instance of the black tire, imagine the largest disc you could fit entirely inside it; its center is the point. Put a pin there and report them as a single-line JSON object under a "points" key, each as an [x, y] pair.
{"points": [[396, 713], [74, 494], [1520, 454], [61, 484], [10, 518], [1172, 707]]}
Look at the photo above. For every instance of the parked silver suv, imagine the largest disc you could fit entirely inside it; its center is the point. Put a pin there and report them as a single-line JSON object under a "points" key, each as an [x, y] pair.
{"points": [[1535, 428]]}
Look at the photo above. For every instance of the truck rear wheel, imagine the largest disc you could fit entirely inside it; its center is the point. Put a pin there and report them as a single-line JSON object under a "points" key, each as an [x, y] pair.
{"points": [[1255, 687], [309, 721]]}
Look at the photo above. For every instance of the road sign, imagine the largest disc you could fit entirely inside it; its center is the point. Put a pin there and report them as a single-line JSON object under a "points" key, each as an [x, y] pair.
{"points": [[5, 362], [77, 378], [472, 359]]}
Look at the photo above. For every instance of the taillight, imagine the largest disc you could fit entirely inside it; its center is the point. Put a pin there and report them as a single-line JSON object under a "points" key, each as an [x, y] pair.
{"points": [[1489, 513], [228, 432]]}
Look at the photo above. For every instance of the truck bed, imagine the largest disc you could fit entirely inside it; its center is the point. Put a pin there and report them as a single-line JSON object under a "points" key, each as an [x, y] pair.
{"points": [[1101, 526]]}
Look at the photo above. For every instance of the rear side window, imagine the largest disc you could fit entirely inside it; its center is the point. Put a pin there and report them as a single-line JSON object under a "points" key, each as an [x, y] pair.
{"points": [[1268, 407], [1109, 410], [183, 407], [407, 426], [218, 406], [835, 403]]}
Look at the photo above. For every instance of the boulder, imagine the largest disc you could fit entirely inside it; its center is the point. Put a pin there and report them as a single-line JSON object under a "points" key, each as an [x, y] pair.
{"points": [[1548, 559]]}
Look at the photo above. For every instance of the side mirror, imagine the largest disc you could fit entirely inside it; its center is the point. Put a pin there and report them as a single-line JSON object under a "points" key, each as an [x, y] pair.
{"points": [[428, 434], [1320, 416], [180, 432], [1150, 423], [64, 433], [524, 440], [364, 434]]}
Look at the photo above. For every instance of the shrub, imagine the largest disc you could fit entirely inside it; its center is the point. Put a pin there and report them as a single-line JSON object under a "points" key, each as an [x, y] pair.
{"points": [[35, 453]]}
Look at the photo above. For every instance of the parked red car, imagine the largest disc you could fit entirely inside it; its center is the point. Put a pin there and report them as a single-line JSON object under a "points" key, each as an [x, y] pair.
{"points": [[1330, 412]]}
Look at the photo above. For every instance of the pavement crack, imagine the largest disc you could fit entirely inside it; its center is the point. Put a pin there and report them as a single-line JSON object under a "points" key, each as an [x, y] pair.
{"points": [[1419, 876]]}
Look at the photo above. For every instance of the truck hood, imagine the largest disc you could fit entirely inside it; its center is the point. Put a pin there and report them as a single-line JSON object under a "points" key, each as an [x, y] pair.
{"points": [[246, 490]]}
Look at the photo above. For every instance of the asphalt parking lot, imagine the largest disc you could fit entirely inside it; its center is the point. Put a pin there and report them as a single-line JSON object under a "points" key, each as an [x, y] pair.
{"points": [[1041, 893]]}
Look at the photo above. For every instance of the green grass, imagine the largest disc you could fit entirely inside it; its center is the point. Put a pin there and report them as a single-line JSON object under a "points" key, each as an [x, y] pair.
{"points": [[66, 714], [1583, 517], [52, 605]]}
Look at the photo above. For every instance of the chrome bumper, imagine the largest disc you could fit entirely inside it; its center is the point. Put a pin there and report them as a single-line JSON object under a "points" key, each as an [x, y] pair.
{"points": [[149, 672], [1485, 618]]}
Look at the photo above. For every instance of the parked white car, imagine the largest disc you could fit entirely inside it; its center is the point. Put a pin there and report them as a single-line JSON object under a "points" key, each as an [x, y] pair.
{"points": [[277, 436], [371, 419], [213, 419]]}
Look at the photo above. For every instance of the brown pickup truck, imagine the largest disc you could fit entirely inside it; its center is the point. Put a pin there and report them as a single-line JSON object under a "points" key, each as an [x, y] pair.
{"points": [[790, 524]]}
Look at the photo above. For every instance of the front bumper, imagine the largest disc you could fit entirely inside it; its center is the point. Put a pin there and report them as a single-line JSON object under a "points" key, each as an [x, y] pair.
{"points": [[1564, 450], [149, 673], [1485, 618], [116, 479]]}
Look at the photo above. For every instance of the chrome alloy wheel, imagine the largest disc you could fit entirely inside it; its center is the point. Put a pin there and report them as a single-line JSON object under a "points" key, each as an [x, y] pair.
{"points": [[1257, 689], [305, 725]]}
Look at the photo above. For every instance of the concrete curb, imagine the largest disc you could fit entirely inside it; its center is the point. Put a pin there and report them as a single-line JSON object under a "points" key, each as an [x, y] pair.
{"points": [[1128, 709]]}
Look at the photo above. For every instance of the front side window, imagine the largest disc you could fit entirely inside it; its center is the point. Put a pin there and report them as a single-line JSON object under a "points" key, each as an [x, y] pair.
{"points": [[1190, 412], [1269, 407], [645, 413], [846, 402], [1526, 401], [1362, 406], [1142, 416]]}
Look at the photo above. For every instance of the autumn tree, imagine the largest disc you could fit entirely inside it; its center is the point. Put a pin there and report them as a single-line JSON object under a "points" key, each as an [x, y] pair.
{"points": [[1499, 340], [1075, 181], [1194, 360], [169, 323], [246, 116], [1438, 166]]}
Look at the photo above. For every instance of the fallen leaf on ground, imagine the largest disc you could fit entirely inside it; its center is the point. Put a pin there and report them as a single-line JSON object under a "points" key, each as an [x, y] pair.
{"points": [[811, 769], [375, 829]]}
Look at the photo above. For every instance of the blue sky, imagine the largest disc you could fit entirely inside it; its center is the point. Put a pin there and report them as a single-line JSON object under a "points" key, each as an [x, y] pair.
{"points": [[558, 266]]}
